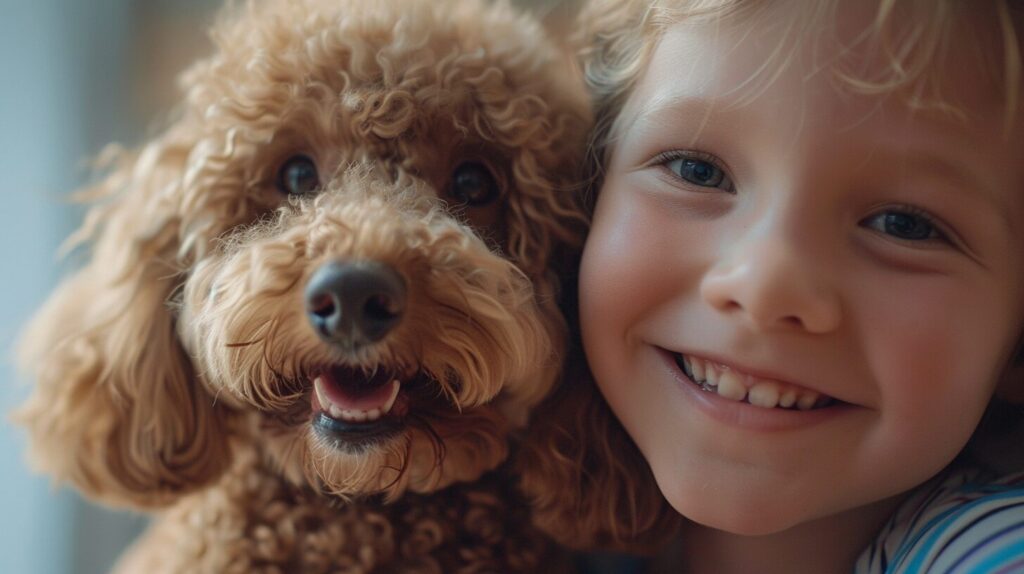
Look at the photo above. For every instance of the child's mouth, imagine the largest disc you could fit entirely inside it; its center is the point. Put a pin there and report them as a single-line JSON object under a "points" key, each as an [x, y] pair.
{"points": [[764, 393]]}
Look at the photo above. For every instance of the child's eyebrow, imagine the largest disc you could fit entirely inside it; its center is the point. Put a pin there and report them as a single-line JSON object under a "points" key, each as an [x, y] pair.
{"points": [[678, 104], [963, 178], [943, 167], [695, 110]]}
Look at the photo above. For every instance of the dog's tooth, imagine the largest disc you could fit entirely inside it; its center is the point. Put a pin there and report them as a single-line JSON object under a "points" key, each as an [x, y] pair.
{"points": [[321, 395], [336, 412], [372, 414], [396, 385], [358, 416]]}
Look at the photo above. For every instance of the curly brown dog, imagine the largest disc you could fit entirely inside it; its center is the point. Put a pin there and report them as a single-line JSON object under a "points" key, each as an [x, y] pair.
{"points": [[332, 276]]}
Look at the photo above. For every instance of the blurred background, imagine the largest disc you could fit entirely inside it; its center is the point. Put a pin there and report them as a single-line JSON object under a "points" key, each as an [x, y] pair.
{"points": [[77, 76]]}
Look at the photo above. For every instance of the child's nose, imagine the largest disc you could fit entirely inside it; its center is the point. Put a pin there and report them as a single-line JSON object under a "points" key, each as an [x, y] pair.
{"points": [[773, 282]]}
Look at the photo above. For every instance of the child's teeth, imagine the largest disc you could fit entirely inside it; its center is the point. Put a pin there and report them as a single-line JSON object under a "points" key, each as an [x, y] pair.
{"points": [[730, 386], [807, 400], [764, 395], [699, 375], [788, 398], [711, 375]]}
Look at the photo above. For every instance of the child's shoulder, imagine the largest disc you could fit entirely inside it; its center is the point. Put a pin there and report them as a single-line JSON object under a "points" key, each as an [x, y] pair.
{"points": [[966, 520]]}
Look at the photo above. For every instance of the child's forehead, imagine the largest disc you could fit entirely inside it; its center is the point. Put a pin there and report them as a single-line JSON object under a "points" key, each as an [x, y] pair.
{"points": [[832, 63]]}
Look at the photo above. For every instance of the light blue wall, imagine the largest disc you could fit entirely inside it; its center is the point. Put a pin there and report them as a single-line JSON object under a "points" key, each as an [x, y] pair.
{"points": [[36, 112], [60, 73]]}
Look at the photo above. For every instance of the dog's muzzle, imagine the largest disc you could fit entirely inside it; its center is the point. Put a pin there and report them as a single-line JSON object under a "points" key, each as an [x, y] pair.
{"points": [[352, 304]]}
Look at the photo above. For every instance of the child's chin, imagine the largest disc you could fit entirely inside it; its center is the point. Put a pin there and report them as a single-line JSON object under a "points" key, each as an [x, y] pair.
{"points": [[739, 515]]}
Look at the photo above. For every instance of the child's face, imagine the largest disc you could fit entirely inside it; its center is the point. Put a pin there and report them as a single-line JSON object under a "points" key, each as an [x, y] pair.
{"points": [[836, 246]]}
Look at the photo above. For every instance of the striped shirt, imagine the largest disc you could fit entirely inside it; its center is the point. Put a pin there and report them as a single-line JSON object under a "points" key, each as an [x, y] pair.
{"points": [[962, 522]]}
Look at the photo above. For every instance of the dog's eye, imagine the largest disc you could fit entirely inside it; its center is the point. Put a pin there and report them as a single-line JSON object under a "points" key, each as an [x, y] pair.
{"points": [[298, 176], [473, 184]]}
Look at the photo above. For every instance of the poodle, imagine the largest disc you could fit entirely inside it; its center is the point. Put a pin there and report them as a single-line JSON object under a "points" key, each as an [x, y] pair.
{"points": [[324, 293]]}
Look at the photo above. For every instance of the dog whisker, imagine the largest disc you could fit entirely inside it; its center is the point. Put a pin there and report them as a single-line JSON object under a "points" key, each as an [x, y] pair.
{"points": [[400, 471], [437, 443], [242, 345]]}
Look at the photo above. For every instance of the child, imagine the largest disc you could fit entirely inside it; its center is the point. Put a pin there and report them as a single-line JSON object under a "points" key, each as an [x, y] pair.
{"points": [[804, 283]]}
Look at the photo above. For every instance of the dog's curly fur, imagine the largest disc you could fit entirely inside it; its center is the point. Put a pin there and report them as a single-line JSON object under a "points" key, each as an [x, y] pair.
{"points": [[254, 522], [174, 369]]}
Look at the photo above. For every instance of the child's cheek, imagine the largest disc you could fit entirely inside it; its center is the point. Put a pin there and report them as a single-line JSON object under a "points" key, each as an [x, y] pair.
{"points": [[934, 349]]}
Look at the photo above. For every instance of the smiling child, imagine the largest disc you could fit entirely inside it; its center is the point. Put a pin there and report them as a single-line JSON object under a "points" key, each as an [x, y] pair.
{"points": [[804, 283]]}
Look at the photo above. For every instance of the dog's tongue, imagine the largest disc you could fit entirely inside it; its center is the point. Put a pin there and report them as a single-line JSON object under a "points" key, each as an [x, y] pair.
{"points": [[353, 397]]}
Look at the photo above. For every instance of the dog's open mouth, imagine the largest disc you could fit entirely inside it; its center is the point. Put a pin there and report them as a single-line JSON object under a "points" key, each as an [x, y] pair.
{"points": [[352, 404], [350, 395]]}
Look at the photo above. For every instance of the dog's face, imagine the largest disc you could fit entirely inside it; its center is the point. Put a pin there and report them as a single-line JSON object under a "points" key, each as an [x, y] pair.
{"points": [[342, 252]]}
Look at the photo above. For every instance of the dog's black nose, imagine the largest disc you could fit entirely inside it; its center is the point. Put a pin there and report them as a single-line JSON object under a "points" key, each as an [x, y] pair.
{"points": [[355, 302]]}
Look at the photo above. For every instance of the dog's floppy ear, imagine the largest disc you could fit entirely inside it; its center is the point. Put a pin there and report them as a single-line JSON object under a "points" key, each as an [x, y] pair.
{"points": [[116, 408]]}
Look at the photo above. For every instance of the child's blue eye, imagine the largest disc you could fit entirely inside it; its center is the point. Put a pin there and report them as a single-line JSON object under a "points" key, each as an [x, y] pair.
{"points": [[699, 172], [909, 225]]}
